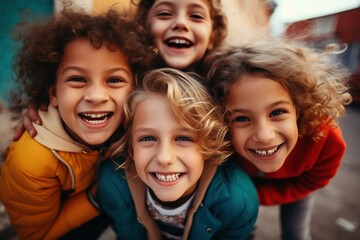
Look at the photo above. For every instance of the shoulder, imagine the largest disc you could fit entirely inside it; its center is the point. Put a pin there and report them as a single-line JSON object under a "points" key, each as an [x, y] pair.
{"points": [[113, 187], [28, 156], [334, 135], [236, 179], [232, 199], [232, 181]]}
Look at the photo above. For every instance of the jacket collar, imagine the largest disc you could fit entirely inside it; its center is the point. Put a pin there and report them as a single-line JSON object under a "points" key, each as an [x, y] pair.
{"points": [[138, 192], [53, 135]]}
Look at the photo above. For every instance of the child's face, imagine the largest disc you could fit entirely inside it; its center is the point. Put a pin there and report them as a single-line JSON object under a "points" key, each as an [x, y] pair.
{"points": [[166, 155], [182, 30], [91, 86], [264, 128]]}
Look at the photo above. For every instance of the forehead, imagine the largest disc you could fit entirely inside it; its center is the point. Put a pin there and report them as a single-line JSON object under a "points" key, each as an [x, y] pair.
{"points": [[155, 112], [80, 53], [256, 89], [205, 4]]}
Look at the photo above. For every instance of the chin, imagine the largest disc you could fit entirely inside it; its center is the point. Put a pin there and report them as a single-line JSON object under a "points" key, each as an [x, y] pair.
{"points": [[269, 168]]}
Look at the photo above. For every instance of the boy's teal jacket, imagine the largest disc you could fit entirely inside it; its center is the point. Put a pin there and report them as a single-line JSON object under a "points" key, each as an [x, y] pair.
{"points": [[225, 205]]}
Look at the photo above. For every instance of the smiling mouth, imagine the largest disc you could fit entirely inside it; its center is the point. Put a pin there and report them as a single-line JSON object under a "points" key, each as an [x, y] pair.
{"points": [[178, 43], [96, 118], [167, 177], [266, 153]]}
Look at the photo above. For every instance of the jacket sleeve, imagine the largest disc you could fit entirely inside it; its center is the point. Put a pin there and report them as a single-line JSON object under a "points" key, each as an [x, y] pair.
{"points": [[31, 193], [326, 159]]}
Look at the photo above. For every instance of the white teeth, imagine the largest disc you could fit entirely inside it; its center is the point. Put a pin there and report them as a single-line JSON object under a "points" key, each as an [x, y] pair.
{"points": [[95, 118], [265, 153], [95, 122], [179, 41], [94, 115], [167, 178]]}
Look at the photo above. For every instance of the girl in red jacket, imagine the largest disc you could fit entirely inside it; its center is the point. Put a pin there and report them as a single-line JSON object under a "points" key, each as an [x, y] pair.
{"points": [[283, 101]]}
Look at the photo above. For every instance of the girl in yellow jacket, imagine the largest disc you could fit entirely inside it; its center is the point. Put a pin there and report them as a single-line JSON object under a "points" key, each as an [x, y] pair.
{"points": [[82, 66]]}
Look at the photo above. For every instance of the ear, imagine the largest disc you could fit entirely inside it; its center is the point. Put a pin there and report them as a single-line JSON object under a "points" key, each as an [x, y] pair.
{"points": [[53, 97]]}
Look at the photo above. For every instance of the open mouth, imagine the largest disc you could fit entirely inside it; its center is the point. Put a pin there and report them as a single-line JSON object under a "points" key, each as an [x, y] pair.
{"points": [[267, 152], [167, 177], [178, 43], [96, 118]]}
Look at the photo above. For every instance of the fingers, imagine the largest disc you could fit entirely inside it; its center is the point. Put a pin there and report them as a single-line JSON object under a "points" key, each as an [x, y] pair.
{"points": [[32, 115], [25, 122], [19, 129]]}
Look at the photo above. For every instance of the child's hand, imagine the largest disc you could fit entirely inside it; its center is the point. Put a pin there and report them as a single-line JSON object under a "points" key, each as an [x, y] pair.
{"points": [[25, 123]]}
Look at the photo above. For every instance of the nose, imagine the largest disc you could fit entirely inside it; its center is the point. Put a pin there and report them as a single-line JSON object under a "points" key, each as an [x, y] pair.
{"points": [[181, 23], [263, 132], [165, 154], [96, 94]]}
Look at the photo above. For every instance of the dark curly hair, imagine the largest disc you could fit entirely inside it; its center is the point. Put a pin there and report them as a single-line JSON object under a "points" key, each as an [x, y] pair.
{"points": [[43, 44]]}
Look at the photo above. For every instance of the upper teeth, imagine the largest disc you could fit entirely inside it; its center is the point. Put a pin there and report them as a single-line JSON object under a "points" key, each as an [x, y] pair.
{"points": [[95, 118], [178, 41], [265, 153], [95, 115], [167, 178]]}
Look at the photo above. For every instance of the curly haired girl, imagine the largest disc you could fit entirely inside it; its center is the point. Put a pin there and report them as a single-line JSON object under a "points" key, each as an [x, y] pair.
{"points": [[283, 102]]}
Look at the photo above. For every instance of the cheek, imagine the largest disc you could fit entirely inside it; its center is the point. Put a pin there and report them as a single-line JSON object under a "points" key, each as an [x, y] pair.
{"points": [[156, 30], [238, 139], [290, 130]]}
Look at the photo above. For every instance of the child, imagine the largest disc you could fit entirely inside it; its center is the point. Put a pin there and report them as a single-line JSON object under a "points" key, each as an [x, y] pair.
{"points": [[170, 181], [84, 67], [183, 31], [283, 101]]}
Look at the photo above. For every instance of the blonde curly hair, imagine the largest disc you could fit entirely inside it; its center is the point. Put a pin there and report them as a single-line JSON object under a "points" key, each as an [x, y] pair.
{"points": [[316, 84], [192, 105]]}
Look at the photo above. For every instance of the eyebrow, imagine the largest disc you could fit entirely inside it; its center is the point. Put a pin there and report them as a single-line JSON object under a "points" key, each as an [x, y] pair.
{"points": [[80, 69], [148, 129], [169, 3], [272, 105]]}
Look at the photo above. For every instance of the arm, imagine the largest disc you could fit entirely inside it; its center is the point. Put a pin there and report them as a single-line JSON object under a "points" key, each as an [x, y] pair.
{"points": [[31, 192], [25, 122], [326, 158]]}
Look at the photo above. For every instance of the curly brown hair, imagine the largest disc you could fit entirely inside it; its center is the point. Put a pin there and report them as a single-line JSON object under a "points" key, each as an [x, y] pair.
{"points": [[217, 16], [317, 85], [43, 44]]}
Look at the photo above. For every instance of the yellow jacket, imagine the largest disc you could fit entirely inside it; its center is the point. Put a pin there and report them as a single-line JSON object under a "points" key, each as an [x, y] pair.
{"points": [[42, 181]]}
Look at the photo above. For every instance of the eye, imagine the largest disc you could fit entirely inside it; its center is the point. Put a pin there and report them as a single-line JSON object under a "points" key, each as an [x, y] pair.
{"points": [[277, 112], [196, 16], [147, 139], [164, 14], [184, 139], [76, 79], [115, 80], [240, 119]]}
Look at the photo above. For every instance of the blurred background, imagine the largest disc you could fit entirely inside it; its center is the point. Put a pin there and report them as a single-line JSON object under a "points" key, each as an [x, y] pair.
{"points": [[318, 23]]}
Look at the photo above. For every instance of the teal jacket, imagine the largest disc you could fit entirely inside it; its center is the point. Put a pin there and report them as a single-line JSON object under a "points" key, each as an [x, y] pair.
{"points": [[225, 205]]}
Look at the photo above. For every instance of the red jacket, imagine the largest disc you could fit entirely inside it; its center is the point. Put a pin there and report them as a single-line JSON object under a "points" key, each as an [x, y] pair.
{"points": [[309, 166]]}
